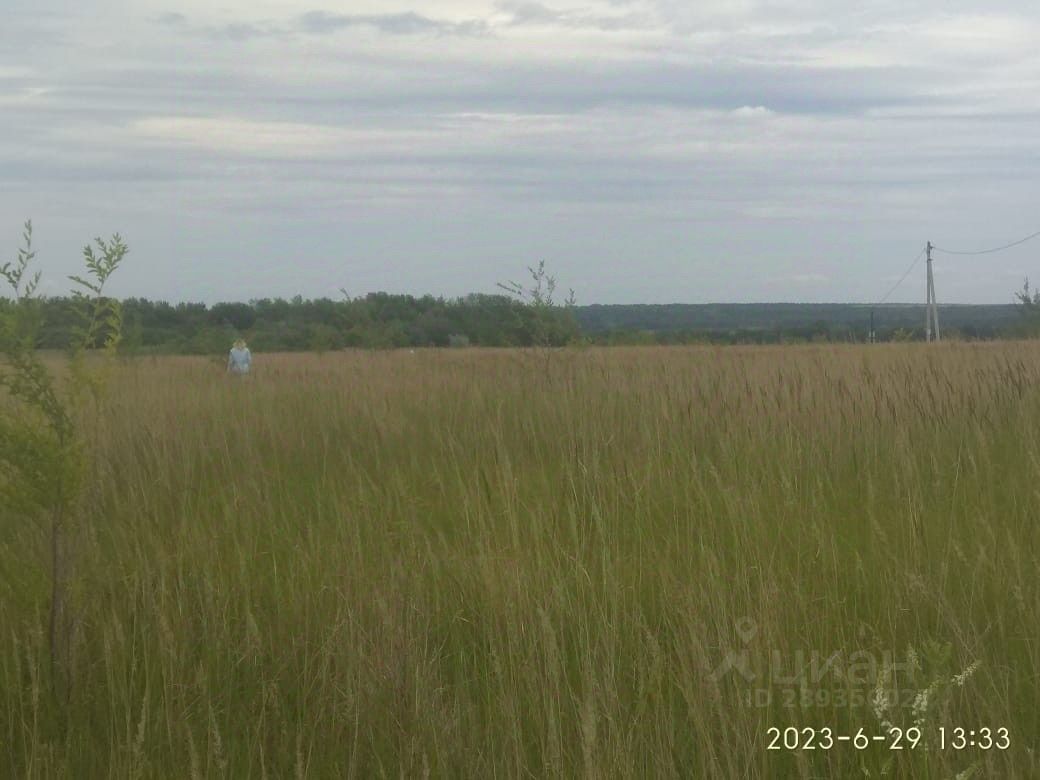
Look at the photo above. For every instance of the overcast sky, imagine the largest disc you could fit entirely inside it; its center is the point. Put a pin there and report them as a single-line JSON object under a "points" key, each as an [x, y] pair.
{"points": [[647, 150]]}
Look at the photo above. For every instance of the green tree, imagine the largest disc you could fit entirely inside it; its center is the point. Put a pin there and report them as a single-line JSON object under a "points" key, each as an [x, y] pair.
{"points": [[1029, 309], [45, 423], [238, 316], [547, 322]]}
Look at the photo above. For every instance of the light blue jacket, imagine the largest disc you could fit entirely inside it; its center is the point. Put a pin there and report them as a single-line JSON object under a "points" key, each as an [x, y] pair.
{"points": [[239, 360]]}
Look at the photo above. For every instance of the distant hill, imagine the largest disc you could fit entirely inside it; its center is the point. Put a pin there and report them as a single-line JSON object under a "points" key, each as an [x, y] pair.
{"points": [[981, 320]]}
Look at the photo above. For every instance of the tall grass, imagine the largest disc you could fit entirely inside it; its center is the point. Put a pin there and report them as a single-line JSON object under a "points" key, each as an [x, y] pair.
{"points": [[474, 564]]}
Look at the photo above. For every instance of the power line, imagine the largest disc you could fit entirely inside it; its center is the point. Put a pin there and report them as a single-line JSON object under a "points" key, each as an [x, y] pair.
{"points": [[931, 307], [903, 277], [988, 251]]}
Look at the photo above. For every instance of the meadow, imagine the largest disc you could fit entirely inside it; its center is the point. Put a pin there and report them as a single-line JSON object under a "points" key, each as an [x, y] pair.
{"points": [[602, 563]]}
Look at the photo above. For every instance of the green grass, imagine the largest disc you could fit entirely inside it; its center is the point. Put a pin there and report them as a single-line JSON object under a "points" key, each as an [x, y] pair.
{"points": [[482, 564]]}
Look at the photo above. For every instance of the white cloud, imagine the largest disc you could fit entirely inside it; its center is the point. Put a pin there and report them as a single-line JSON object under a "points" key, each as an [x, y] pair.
{"points": [[237, 136], [751, 112]]}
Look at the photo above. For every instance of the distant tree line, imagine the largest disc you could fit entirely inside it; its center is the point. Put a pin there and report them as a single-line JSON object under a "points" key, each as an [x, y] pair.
{"points": [[375, 321], [384, 321]]}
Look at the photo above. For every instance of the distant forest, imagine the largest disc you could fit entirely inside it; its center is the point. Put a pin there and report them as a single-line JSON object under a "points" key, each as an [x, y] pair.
{"points": [[382, 320]]}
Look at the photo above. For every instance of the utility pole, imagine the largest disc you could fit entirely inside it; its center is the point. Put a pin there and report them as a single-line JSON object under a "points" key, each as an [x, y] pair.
{"points": [[873, 338], [931, 309]]}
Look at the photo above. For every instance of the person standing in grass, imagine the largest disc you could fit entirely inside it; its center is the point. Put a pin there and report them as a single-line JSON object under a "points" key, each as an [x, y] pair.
{"points": [[239, 358]]}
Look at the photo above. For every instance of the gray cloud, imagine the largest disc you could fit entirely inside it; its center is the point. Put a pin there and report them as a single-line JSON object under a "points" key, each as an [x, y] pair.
{"points": [[562, 88], [327, 23], [172, 19], [244, 32], [691, 152]]}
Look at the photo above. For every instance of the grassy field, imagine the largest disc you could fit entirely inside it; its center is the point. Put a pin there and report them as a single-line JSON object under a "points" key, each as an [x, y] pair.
{"points": [[609, 563]]}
